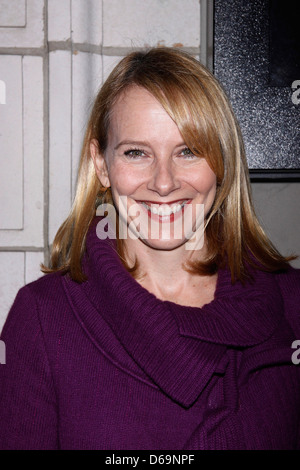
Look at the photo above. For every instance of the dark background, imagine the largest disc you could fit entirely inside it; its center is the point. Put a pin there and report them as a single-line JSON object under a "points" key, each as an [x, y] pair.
{"points": [[256, 58]]}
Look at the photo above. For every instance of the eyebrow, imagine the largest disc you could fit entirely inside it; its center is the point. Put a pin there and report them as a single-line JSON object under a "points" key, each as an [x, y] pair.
{"points": [[132, 142], [142, 143]]}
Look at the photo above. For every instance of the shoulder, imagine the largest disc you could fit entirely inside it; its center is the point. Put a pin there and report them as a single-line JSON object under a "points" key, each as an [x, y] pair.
{"points": [[44, 292], [45, 284], [35, 303]]}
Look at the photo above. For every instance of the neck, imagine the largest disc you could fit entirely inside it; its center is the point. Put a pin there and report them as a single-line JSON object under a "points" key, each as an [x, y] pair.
{"points": [[163, 272]]}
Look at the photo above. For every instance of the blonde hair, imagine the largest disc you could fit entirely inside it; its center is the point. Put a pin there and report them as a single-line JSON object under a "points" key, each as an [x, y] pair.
{"points": [[195, 100]]}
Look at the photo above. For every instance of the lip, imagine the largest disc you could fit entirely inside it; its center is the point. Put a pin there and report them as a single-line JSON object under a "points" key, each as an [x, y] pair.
{"points": [[169, 203], [173, 216]]}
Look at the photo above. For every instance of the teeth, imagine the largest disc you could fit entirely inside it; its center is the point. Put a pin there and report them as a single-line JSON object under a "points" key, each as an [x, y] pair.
{"points": [[165, 209]]}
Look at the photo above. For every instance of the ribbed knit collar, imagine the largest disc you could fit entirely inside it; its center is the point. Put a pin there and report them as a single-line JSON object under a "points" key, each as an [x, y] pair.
{"points": [[178, 348]]}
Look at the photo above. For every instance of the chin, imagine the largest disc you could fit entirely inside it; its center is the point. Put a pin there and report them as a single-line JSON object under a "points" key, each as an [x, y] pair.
{"points": [[163, 245]]}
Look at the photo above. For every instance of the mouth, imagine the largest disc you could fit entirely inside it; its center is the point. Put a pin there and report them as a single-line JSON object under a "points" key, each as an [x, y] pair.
{"points": [[165, 209]]}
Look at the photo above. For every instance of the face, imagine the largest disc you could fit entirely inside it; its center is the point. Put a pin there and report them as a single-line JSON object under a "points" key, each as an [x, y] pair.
{"points": [[160, 189]]}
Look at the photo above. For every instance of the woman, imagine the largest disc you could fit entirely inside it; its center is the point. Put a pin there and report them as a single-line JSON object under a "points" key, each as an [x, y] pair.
{"points": [[171, 329]]}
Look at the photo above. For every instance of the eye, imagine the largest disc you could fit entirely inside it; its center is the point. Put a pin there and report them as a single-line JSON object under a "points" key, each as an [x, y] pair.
{"points": [[134, 154], [187, 154]]}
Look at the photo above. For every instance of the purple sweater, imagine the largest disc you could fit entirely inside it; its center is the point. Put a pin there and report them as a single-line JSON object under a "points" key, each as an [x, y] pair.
{"points": [[106, 365]]}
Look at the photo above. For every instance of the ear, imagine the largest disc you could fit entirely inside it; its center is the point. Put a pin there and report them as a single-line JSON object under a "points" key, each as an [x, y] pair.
{"points": [[99, 163]]}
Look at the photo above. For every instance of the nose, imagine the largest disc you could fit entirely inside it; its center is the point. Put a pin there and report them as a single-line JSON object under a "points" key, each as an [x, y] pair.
{"points": [[164, 179]]}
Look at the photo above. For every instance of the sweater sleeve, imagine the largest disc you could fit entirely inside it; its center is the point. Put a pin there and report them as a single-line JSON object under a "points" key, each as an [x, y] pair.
{"points": [[28, 412]]}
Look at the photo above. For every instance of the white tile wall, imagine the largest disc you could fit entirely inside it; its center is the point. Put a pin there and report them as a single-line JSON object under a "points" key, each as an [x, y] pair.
{"points": [[132, 23], [109, 62], [30, 177], [33, 151], [60, 143], [30, 36], [11, 144], [2, 91], [33, 261], [13, 13], [59, 20], [86, 80], [87, 21], [74, 78]]}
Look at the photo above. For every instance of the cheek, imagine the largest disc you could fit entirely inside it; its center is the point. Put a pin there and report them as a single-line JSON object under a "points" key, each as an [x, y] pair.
{"points": [[124, 180], [205, 184]]}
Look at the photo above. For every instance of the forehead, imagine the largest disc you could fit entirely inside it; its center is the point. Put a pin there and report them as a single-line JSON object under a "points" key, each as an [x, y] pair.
{"points": [[137, 111], [134, 99]]}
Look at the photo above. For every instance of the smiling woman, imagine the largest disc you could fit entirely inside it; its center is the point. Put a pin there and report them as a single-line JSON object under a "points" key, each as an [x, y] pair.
{"points": [[160, 176], [142, 342]]}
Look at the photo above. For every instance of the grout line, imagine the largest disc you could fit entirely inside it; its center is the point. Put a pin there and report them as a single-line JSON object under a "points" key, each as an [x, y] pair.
{"points": [[72, 104], [30, 249], [36, 51], [46, 136], [102, 39], [82, 47], [24, 271], [23, 144]]}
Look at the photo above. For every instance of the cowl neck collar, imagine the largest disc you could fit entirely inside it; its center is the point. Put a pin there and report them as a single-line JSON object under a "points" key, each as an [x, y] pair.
{"points": [[178, 348]]}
